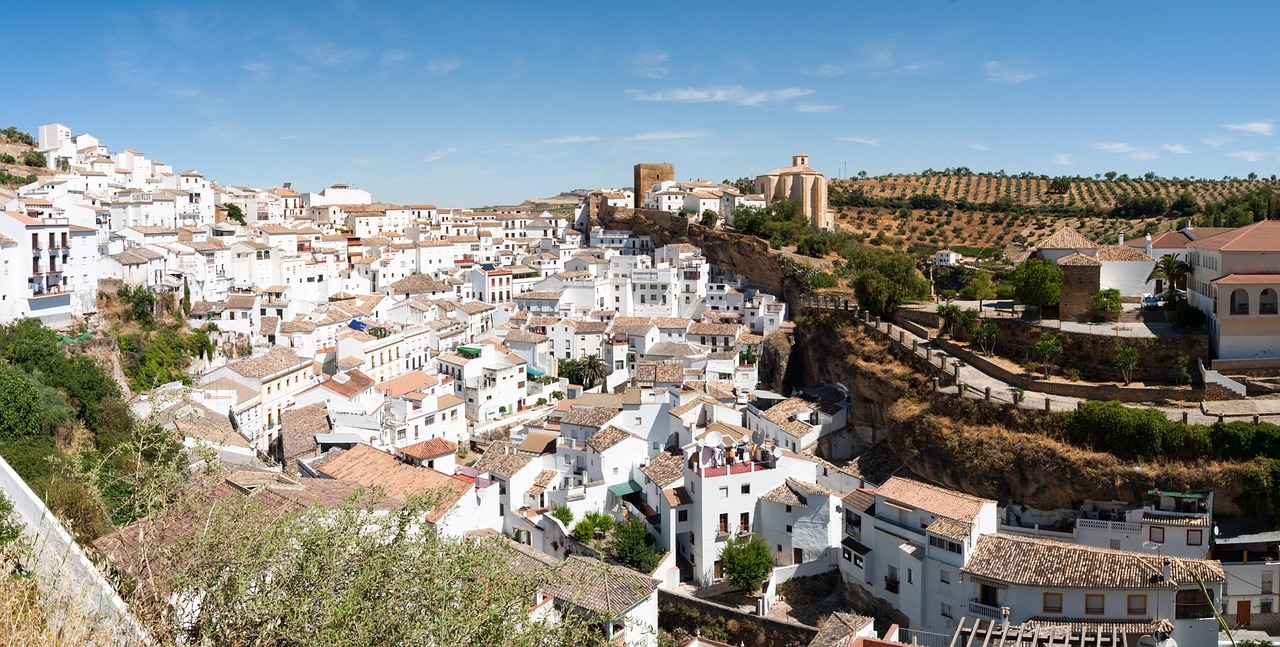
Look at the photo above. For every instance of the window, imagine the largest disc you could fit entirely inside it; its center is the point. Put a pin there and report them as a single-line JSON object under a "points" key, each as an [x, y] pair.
{"points": [[1192, 603], [788, 508], [1095, 605], [1157, 534], [1268, 583], [682, 515], [950, 546], [857, 560], [1053, 603], [847, 554], [788, 530], [946, 610], [746, 488], [1137, 605], [944, 576], [724, 492]]}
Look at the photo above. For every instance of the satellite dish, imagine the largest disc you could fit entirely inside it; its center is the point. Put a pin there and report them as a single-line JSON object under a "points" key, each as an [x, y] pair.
{"points": [[1147, 641], [1168, 642], [777, 451], [713, 438], [1150, 545]]}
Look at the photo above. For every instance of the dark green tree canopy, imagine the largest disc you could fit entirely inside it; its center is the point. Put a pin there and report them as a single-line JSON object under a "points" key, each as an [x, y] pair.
{"points": [[1037, 282]]}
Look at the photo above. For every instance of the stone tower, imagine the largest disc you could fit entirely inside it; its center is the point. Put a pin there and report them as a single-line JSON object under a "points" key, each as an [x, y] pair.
{"points": [[647, 175]]}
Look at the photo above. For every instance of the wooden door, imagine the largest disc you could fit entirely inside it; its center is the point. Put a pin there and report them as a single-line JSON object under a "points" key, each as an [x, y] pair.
{"points": [[1243, 608]]}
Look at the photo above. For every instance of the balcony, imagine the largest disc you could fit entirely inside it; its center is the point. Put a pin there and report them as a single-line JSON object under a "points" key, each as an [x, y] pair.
{"points": [[1120, 527], [745, 467], [891, 585], [985, 610]]}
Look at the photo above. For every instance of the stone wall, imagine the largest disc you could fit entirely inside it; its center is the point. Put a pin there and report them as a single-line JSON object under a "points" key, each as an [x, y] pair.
{"points": [[678, 611], [647, 175]]}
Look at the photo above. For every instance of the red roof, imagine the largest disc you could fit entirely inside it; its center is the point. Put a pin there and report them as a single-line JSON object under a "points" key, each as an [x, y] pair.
{"points": [[430, 448], [1261, 236], [1249, 279]]}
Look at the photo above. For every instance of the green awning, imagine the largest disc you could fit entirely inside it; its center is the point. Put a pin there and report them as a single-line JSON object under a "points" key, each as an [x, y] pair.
{"points": [[623, 489], [534, 371]]}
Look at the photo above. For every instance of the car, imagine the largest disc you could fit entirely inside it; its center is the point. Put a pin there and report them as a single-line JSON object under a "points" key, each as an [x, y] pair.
{"points": [[1150, 302]]}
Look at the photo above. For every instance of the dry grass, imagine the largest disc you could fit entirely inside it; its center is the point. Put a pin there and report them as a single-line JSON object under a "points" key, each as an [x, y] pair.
{"points": [[35, 614]]}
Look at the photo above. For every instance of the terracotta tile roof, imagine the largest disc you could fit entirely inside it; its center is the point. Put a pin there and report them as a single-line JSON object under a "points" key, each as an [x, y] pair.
{"points": [[1174, 520], [664, 468], [1121, 253], [545, 295], [419, 284], [276, 360], [1167, 240], [501, 459], [724, 329], [407, 382], [1039, 562], [1261, 236], [1078, 259], [677, 496], [525, 337], [542, 480], [860, 499], [931, 498], [198, 422], [951, 528], [590, 416], [1066, 238], [608, 437], [660, 372], [298, 429], [587, 327], [370, 467], [693, 404], [584, 582], [430, 448], [1248, 279], [673, 322]]}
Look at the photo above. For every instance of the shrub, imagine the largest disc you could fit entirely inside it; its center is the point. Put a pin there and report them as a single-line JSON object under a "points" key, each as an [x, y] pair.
{"points": [[592, 523], [6, 158], [35, 158], [563, 514]]}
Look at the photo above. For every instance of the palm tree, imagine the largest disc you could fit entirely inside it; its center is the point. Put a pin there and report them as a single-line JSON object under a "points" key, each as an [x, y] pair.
{"points": [[592, 370], [1171, 270]]}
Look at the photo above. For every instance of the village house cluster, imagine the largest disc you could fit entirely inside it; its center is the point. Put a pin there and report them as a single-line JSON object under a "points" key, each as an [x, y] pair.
{"points": [[384, 340]]}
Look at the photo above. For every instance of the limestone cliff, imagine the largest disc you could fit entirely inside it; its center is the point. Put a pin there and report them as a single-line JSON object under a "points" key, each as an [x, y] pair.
{"points": [[987, 450]]}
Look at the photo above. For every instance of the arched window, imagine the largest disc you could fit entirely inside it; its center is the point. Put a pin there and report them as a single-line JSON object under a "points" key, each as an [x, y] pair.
{"points": [[1267, 302], [1239, 302]]}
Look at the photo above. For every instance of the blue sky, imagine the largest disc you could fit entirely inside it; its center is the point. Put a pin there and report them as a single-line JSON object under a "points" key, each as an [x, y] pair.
{"points": [[473, 103]]}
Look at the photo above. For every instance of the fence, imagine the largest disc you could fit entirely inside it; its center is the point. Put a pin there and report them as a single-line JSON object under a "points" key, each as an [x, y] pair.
{"points": [[55, 557]]}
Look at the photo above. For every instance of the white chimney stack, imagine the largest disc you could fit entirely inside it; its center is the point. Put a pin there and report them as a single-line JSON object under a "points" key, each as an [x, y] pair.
{"points": [[1121, 238], [1168, 570]]}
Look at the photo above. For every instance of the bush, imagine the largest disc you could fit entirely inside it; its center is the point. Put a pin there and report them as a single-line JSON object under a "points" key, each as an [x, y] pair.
{"points": [[35, 158], [563, 514], [592, 523], [6, 158], [1112, 427], [632, 545]]}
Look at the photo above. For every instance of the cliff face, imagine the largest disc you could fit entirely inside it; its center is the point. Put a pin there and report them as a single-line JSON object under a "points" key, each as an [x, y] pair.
{"points": [[989, 451]]}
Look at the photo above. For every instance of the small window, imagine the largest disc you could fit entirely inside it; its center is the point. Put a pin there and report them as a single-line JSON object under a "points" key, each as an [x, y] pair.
{"points": [[746, 488], [1157, 534], [946, 610], [1195, 537], [1053, 603], [857, 560], [724, 492], [788, 508], [944, 576], [682, 515], [1095, 605], [1137, 605], [788, 530]]}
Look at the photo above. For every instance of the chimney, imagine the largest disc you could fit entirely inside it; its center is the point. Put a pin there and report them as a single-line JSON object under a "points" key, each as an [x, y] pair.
{"points": [[1168, 570], [1121, 239], [1148, 241]]}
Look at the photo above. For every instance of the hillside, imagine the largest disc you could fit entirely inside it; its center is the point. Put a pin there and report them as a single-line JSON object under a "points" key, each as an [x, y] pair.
{"points": [[15, 174], [986, 214]]}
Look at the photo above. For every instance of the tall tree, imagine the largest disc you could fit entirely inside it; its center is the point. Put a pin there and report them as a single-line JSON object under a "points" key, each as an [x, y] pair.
{"points": [[979, 288], [1037, 282], [592, 370], [1172, 270], [746, 562]]}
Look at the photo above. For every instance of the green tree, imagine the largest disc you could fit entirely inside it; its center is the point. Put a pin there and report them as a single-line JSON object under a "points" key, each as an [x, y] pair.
{"points": [[563, 514], [570, 370], [709, 218], [744, 185], [35, 158], [20, 136], [235, 213], [6, 158], [883, 281], [985, 333], [1037, 282], [1126, 360], [1172, 270], [10, 528], [1059, 186], [949, 313], [594, 526], [632, 545], [1048, 348], [1107, 303], [186, 298], [746, 562], [592, 370], [979, 288], [22, 411]]}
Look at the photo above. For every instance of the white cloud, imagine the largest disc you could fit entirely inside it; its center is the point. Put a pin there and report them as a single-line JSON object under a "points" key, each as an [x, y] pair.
{"points": [[721, 94], [1248, 156], [571, 139], [867, 141], [650, 64], [394, 56], [828, 70], [328, 54], [285, 138], [1214, 141], [816, 107], [1143, 154], [979, 147], [1006, 73], [258, 70], [438, 155], [667, 135], [1064, 160], [440, 66], [1178, 149], [1112, 147], [1264, 127]]}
